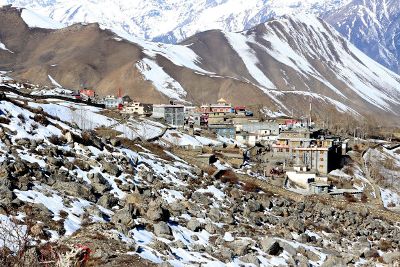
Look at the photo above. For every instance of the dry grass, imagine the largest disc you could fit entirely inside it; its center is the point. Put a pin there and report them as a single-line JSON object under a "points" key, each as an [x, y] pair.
{"points": [[250, 186], [385, 245], [107, 132], [349, 198]]}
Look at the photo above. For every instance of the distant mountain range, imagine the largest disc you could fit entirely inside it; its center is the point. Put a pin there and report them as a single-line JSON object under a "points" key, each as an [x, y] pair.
{"points": [[373, 25], [282, 64]]}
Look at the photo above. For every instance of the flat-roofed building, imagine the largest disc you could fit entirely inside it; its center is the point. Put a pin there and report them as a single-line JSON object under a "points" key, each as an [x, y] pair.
{"points": [[172, 114]]}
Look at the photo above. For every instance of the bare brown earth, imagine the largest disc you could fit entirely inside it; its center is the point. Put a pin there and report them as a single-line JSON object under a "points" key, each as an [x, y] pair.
{"points": [[87, 56]]}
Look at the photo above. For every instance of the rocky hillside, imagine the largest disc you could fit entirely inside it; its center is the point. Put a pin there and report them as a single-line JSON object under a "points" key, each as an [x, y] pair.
{"points": [[283, 64], [74, 191]]}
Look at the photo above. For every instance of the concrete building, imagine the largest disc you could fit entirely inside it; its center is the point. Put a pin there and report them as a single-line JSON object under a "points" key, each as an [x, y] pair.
{"points": [[224, 130], [221, 107], [172, 114], [111, 101], [262, 128], [134, 108], [253, 133], [299, 148]]}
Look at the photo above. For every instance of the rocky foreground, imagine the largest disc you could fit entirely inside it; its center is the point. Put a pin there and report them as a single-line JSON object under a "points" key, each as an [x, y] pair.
{"points": [[71, 196]]}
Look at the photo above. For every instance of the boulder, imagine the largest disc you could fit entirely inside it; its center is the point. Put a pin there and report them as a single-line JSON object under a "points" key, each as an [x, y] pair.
{"points": [[108, 201], [155, 212], [74, 189], [370, 253], [253, 206], [162, 228], [124, 217], [240, 247], [115, 142], [214, 214], [391, 257], [110, 168], [250, 258], [333, 261], [194, 225], [271, 246]]}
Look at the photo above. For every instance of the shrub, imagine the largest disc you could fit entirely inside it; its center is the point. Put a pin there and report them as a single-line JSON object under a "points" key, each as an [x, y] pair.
{"points": [[349, 198], [385, 245], [21, 117], [4, 120], [41, 119], [249, 186], [56, 140], [364, 198]]}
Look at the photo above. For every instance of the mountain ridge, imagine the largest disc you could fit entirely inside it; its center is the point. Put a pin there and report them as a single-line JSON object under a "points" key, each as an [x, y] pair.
{"points": [[370, 25], [276, 64]]}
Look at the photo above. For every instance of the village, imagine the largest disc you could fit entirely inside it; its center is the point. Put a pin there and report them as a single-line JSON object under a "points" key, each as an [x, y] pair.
{"points": [[208, 153], [288, 152]]}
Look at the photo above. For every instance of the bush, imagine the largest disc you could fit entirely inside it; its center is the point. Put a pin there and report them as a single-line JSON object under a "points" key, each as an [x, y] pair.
{"points": [[364, 198], [4, 120], [41, 119], [249, 186], [21, 117], [385, 245], [56, 140], [349, 198]]}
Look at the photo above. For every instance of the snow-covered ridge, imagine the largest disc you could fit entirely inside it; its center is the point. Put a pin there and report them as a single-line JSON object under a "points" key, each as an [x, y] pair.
{"points": [[301, 37], [173, 20], [34, 20]]}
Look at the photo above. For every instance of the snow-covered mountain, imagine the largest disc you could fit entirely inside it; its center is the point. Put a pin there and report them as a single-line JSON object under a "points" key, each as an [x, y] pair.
{"points": [[172, 20], [281, 64], [373, 26], [370, 25]]}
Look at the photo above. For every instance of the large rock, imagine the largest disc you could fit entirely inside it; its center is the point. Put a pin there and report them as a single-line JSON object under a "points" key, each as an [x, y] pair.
{"points": [[99, 183], [253, 206], [74, 189], [162, 228], [240, 247], [297, 225], [250, 258], [391, 257], [333, 261], [194, 225], [271, 246], [214, 214], [110, 168], [108, 201], [156, 213], [123, 219]]}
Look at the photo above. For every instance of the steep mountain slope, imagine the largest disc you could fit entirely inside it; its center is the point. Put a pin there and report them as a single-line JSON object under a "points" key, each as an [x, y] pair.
{"points": [[282, 64], [172, 20], [370, 25], [373, 26]]}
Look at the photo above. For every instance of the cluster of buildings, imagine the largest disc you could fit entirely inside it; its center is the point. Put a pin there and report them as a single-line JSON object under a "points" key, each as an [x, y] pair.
{"points": [[285, 141], [306, 156]]}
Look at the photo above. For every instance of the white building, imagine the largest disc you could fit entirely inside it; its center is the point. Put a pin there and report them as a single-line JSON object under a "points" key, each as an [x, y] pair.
{"points": [[111, 101], [133, 108]]}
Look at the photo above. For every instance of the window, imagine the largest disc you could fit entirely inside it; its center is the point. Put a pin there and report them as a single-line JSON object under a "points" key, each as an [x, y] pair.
{"points": [[321, 159]]}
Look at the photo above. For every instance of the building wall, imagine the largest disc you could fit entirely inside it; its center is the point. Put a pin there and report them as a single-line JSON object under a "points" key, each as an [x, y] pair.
{"points": [[158, 112], [262, 128], [175, 115]]}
